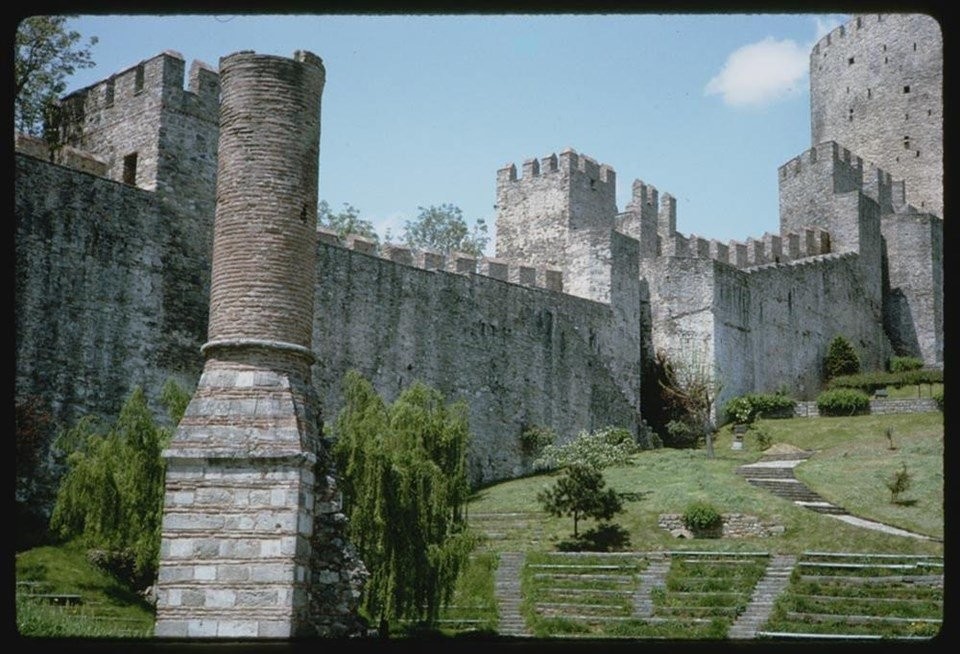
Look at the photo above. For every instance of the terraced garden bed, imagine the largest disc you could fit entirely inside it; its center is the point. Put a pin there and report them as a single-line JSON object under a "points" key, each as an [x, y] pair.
{"points": [[860, 595]]}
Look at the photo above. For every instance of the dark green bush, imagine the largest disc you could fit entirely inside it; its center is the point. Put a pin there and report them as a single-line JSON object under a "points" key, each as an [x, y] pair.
{"points": [[868, 382], [534, 439], [903, 364], [841, 358], [681, 434], [701, 516], [747, 408], [938, 398], [843, 402]]}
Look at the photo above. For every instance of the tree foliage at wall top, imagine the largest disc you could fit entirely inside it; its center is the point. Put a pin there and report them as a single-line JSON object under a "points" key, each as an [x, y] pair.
{"points": [[444, 229], [45, 55], [347, 221], [404, 480]]}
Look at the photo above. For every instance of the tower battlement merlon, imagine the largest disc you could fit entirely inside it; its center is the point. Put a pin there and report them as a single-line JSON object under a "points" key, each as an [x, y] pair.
{"points": [[568, 162], [160, 78]]}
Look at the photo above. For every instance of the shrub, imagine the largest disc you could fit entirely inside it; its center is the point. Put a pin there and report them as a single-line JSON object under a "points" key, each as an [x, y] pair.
{"points": [[868, 382], [841, 358], [898, 483], [843, 402], [599, 449], [938, 398], [903, 364], [534, 439], [682, 434], [762, 434], [747, 408], [701, 516]]}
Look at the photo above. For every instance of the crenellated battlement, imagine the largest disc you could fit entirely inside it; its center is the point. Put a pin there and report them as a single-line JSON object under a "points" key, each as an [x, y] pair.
{"points": [[752, 252], [568, 163], [544, 277], [806, 174], [856, 26], [158, 78]]}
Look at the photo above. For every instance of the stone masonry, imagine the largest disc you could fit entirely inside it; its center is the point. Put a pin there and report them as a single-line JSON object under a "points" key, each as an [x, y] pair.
{"points": [[241, 509], [115, 237]]}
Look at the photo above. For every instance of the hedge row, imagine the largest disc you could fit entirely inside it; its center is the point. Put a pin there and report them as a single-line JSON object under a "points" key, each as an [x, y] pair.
{"points": [[868, 382], [747, 408], [843, 402]]}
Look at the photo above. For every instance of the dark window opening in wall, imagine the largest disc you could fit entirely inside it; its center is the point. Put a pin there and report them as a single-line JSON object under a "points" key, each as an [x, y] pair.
{"points": [[850, 61], [906, 117], [858, 22], [850, 115], [848, 89], [108, 100], [906, 142], [914, 47], [130, 169], [869, 93], [906, 88], [929, 112], [917, 154], [138, 79], [886, 60]]}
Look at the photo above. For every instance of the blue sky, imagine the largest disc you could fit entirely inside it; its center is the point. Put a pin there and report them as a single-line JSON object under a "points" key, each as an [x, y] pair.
{"points": [[423, 110]]}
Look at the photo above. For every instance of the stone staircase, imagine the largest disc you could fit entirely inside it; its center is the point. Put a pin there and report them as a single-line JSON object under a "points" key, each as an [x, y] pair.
{"points": [[774, 581], [509, 596], [655, 575], [774, 473]]}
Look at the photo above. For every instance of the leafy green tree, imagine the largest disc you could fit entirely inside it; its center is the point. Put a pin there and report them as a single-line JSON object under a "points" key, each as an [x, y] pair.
{"points": [[841, 358], [404, 480], [580, 493], [444, 229], [345, 222], [111, 497], [46, 53]]}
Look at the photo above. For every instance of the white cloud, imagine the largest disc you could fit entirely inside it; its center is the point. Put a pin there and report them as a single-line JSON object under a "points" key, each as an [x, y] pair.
{"points": [[761, 73]]}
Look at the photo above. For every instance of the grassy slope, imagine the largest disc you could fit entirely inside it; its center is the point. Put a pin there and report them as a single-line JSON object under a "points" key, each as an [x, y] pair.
{"points": [[669, 479], [108, 607]]}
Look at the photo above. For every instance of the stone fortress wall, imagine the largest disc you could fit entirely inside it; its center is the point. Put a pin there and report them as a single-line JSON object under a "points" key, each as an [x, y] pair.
{"points": [[555, 330], [876, 87]]}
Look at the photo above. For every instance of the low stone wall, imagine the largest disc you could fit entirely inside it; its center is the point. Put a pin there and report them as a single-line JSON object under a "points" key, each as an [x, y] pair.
{"points": [[878, 407], [735, 525]]}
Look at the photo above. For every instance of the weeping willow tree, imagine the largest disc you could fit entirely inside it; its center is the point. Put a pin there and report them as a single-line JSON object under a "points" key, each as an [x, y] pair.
{"points": [[111, 497], [404, 481]]}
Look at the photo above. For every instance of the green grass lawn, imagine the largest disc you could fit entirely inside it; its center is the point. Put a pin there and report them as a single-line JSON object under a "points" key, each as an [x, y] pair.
{"points": [[850, 453], [108, 609]]}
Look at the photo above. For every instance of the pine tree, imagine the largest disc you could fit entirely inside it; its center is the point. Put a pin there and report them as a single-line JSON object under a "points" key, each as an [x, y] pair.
{"points": [[841, 358], [580, 494]]}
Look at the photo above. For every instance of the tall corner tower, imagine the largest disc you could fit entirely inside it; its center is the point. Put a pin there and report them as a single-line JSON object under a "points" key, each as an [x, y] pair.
{"points": [[876, 88], [241, 501]]}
